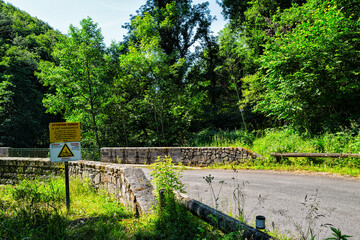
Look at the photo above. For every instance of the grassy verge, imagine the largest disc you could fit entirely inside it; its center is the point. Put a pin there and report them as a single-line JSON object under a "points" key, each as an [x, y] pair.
{"points": [[288, 140], [342, 171], [36, 210]]}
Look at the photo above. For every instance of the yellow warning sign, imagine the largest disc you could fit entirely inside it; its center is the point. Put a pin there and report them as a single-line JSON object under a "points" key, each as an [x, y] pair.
{"points": [[65, 152], [64, 132]]}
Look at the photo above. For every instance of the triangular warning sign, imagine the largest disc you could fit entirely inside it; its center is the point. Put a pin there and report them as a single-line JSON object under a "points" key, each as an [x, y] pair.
{"points": [[65, 152]]}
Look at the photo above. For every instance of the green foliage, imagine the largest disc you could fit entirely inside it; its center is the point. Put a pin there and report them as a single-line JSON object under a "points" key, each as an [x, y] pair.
{"points": [[158, 110], [79, 80], [289, 140], [173, 220], [213, 138], [294, 62], [167, 176], [29, 210], [338, 235], [24, 41], [285, 140], [35, 191], [180, 25], [36, 210], [298, 65], [317, 89]]}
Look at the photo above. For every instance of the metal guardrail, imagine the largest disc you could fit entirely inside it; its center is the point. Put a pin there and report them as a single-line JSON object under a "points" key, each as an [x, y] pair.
{"points": [[279, 156], [317, 155], [29, 152], [92, 154], [216, 218]]}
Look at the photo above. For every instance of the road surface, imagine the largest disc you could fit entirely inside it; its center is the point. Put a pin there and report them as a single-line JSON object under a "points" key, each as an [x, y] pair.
{"points": [[291, 203]]}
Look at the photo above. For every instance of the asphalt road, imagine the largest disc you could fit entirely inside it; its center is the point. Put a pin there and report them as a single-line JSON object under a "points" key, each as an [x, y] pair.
{"points": [[291, 203]]}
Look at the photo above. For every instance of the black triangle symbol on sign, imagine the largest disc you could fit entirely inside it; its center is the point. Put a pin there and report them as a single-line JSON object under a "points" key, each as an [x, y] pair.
{"points": [[65, 152]]}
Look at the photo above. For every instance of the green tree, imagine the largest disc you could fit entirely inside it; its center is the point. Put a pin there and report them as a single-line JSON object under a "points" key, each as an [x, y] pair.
{"points": [[181, 25], [311, 76], [20, 101], [157, 111], [24, 41], [154, 93], [79, 80]]}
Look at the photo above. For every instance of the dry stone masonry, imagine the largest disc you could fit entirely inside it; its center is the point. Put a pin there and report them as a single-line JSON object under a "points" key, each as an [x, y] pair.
{"points": [[128, 185], [4, 151], [189, 156], [13, 170]]}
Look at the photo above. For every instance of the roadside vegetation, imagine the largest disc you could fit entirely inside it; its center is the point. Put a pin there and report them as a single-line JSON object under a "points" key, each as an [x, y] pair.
{"points": [[36, 210], [288, 140]]}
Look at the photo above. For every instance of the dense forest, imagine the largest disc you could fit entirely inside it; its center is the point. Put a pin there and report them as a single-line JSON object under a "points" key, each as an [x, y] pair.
{"points": [[276, 63]]}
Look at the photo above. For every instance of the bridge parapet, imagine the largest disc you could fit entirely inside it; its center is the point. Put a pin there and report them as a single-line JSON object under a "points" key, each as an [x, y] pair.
{"points": [[129, 185], [4, 151], [189, 156]]}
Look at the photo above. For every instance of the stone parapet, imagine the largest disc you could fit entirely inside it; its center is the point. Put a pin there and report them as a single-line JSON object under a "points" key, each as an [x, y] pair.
{"points": [[189, 156], [4, 151], [13, 170], [128, 185]]}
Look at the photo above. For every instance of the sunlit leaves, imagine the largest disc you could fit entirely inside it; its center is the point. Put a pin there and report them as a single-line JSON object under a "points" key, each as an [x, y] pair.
{"points": [[310, 68], [79, 79]]}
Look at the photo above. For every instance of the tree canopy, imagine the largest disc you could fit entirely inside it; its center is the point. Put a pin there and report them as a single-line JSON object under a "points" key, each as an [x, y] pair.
{"points": [[276, 63], [24, 41], [79, 79]]}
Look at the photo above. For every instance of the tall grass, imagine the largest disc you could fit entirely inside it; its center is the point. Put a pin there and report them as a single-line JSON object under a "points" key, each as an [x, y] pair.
{"points": [[212, 138], [36, 210], [289, 140]]}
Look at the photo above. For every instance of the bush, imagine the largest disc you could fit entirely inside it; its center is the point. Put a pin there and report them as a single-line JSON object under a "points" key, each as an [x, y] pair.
{"points": [[220, 138]]}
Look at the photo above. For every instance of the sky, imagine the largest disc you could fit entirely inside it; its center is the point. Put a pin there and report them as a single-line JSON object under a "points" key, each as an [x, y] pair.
{"points": [[109, 14]]}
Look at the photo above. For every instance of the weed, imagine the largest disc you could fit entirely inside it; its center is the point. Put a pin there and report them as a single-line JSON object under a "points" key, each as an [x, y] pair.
{"points": [[308, 225], [239, 199], [338, 235], [118, 160], [172, 220], [166, 175], [209, 180]]}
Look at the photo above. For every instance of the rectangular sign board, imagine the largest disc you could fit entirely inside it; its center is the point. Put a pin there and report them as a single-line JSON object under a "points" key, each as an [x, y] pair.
{"points": [[63, 152], [64, 132]]}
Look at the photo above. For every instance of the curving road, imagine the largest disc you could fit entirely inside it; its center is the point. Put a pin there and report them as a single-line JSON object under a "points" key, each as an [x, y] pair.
{"points": [[290, 202]]}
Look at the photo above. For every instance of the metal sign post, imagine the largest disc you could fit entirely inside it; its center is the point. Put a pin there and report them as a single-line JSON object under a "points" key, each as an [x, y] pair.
{"points": [[67, 188], [65, 146]]}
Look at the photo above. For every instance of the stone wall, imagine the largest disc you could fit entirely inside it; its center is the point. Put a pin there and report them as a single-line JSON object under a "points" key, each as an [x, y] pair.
{"points": [[128, 185], [13, 170], [189, 156], [4, 151]]}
